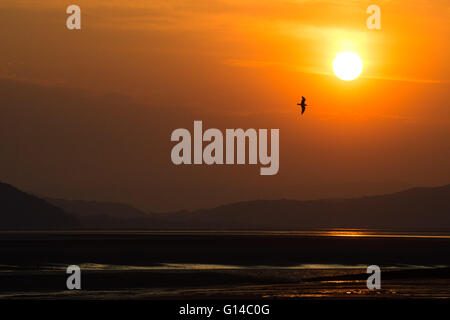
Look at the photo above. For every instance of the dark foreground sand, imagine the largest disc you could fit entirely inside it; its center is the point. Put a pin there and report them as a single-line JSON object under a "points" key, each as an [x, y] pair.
{"points": [[207, 266]]}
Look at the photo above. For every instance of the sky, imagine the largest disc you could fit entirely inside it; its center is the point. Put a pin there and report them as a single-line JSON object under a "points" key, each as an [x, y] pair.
{"points": [[87, 114]]}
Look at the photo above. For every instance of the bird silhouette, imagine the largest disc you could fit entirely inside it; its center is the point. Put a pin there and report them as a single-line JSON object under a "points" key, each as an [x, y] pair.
{"points": [[302, 104]]}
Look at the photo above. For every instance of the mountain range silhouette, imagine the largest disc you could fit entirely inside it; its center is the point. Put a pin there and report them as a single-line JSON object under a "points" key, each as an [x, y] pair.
{"points": [[417, 208], [23, 211]]}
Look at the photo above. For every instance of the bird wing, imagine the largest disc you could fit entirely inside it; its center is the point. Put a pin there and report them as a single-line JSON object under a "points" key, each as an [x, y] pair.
{"points": [[303, 109], [303, 99]]}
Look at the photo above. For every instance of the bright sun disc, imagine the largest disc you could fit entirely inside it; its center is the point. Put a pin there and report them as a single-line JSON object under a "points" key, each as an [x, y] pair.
{"points": [[347, 65]]}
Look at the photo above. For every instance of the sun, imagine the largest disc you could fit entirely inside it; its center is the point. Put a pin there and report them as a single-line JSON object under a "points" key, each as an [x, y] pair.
{"points": [[347, 65]]}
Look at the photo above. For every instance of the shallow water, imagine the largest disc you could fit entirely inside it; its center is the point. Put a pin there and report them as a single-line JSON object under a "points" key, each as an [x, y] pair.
{"points": [[323, 264]]}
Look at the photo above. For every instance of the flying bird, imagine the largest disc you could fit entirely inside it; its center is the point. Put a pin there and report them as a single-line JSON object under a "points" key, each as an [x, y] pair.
{"points": [[302, 104]]}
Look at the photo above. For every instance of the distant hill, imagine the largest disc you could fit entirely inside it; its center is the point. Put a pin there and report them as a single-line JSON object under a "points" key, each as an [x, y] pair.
{"points": [[418, 208], [82, 208], [23, 211], [104, 215]]}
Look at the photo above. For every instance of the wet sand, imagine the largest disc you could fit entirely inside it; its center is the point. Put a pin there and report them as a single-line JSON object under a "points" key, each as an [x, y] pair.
{"points": [[208, 266]]}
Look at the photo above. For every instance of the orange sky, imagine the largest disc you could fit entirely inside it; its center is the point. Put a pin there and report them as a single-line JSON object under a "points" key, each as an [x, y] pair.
{"points": [[88, 114]]}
